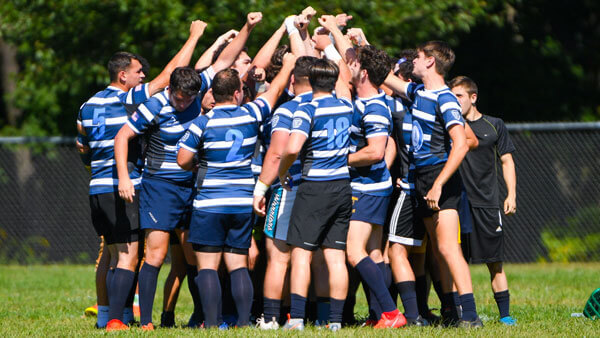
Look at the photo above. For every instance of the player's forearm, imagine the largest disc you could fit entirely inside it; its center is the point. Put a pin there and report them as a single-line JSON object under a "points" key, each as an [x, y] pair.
{"points": [[287, 159], [121, 152], [510, 176], [343, 46], [181, 59], [279, 83], [263, 57], [455, 158], [390, 152], [270, 168], [396, 84], [233, 49], [366, 156], [206, 57]]}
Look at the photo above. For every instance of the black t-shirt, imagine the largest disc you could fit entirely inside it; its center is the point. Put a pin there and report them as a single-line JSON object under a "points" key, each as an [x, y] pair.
{"points": [[479, 169], [398, 107]]}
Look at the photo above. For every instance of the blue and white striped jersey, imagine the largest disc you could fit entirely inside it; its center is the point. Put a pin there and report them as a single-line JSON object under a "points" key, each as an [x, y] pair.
{"points": [[325, 121], [282, 121], [101, 117], [371, 118], [225, 139], [402, 128], [433, 113]]}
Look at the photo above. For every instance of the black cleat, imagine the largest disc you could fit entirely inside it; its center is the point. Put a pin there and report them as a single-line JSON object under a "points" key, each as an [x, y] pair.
{"points": [[470, 324], [449, 318], [432, 318], [419, 321], [167, 319]]}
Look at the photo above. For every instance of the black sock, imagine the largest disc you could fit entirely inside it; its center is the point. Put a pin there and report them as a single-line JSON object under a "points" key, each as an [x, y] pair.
{"points": [[147, 284], [324, 309], [373, 276], [437, 286], [409, 298], [298, 306], [469, 310], [192, 272], [336, 309], [421, 290], [387, 272], [503, 301], [456, 298], [272, 309], [121, 285], [209, 287], [131, 296], [242, 291]]}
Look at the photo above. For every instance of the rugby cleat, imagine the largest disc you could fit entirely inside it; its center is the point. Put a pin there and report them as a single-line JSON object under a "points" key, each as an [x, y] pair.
{"points": [[148, 327], [449, 318], [419, 321], [432, 318], [334, 327], [167, 319], [294, 324], [261, 324], [508, 321], [116, 325], [393, 319], [91, 311], [470, 324]]}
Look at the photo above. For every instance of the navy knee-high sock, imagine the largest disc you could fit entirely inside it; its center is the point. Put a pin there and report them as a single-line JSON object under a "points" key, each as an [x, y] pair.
{"points": [[469, 310], [121, 285], [298, 307], [242, 291], [272, 309], [209, 287], [336, 310], [131, 296], [147, 284], [409, 298], [373, 276], [192, 272], [374, 307], [421, 290], [503, 301], [109, 277]]}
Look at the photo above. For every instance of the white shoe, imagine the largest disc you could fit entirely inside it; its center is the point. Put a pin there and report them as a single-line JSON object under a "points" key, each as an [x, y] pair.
{"points": [[261, 324]]}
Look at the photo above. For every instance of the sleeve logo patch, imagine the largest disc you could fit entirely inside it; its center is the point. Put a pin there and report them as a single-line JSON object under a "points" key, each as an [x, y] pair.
{"points": [[297, 122], [274, 120], [456, 115]]}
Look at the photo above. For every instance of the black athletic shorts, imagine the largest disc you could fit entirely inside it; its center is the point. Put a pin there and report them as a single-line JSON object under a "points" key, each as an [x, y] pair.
{"points": [[450, 198], [487, 238], [115, 219], [321, 215], [405, 227]]}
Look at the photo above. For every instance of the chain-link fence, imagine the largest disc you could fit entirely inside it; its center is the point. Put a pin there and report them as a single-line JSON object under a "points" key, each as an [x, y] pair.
{"points": [[44, 208]]}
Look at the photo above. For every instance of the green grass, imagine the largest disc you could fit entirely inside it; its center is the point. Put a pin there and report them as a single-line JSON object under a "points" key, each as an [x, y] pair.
{"points": [[49, 301]]}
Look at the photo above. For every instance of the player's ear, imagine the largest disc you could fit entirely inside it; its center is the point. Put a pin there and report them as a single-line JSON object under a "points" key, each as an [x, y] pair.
{"points": [[473, 98], [122, 76], [292, 79]]}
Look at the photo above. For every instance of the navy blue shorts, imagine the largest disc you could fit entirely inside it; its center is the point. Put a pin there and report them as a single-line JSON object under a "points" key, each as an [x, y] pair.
{"points": [[219, 230], [165, 205], [368, 208]]}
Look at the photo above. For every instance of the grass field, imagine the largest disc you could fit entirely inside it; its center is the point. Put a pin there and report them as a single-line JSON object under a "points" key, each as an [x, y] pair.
{"points": [[49, 301]]}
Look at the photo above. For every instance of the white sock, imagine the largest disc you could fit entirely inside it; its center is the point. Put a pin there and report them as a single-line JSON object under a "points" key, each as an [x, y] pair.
{"points": [[102, 319]]}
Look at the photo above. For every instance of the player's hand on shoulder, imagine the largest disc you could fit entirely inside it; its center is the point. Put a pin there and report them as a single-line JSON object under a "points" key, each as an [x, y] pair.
{"points": [[197, 28], [253, 18]]}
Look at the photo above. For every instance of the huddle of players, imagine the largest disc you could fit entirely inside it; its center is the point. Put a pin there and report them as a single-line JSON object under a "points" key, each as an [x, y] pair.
{"points": [[326, 169]]}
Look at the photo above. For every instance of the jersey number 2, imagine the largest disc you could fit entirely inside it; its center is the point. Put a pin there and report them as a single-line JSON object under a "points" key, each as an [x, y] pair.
{"points": [[238, 139]]}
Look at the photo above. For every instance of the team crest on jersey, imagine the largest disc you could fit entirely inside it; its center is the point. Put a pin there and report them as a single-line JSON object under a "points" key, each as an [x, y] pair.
{"points": [[456, 115], [297, 122], [274, 120], [417, 136]]}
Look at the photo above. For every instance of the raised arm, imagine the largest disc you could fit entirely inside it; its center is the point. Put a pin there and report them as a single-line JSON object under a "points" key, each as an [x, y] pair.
{"points": [[396, 84], [280, 82], [263, 57], [234, 48], [181, 59], [206, 58], [342, 44]]}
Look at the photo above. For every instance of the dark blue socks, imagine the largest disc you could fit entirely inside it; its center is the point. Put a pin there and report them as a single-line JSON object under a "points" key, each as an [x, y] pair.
{"points": [[409, 298], [121, 283], [272, 309], [147, 284], [243, 293], [503, 301], [298, 306], [469, 311], [209, 287], [373, 276]]}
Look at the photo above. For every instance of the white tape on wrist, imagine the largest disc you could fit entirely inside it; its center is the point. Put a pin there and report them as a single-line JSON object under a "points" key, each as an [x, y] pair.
{"points": [[289, 25], [260, 189], [332, 54]]}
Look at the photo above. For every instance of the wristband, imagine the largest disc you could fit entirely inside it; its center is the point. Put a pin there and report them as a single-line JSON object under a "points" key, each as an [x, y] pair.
{"points": [[260, 189], [332, 54], [289, 25], [260, 87]]}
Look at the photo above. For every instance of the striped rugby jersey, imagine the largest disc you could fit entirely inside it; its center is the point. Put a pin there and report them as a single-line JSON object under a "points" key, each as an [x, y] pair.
{"points": [[282, 121], [225, 139], [101, 117], [325, 121], [433, 112], [402, 129], [163, 126], [371, 118]]}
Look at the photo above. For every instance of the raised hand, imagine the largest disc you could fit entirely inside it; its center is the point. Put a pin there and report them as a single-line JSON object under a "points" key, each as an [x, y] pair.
{"points": [[342, 19], [309, 12], [253, 18], [328, 22], [197, 28]]}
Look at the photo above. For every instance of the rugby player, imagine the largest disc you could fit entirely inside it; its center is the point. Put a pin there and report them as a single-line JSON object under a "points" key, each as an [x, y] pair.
{"points": [[437, 119], [222, 219], [100, 118], [480, 177], [371, 180]]}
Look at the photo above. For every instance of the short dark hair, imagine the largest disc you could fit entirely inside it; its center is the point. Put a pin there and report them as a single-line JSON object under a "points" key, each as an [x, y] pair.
{"points": [[276, 62], [302, 68], [220, 49], [185, 80], [323, 75], [224, 85], [376, 62], [466, 82], [405, 65], [443, 54], [119, 62]]}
